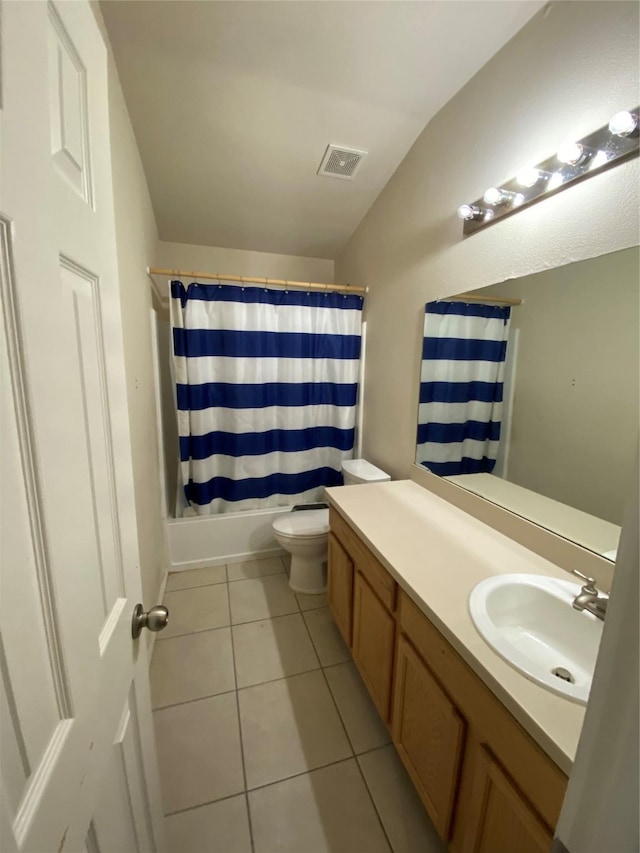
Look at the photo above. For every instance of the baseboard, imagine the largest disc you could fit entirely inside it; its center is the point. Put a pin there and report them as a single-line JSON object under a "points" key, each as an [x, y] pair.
{"points": [[229, 558]]}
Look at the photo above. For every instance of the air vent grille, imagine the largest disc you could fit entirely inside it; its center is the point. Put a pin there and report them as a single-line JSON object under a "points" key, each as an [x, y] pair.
{"points": [[341, 162]]}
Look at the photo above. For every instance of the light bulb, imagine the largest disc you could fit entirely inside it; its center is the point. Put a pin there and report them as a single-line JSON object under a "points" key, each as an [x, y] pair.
{"points": [[599, 160], [493, 196], [623, 123], [518, 199], [468, 211], [528, 176], [571, 153], [555, 181]]}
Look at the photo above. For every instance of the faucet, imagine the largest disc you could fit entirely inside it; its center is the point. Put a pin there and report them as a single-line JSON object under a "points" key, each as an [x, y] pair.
{"points": [[589, 598]]}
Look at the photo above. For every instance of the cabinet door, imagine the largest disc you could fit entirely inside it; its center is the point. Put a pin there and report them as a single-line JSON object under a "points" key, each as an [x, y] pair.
{"points": [[499, 816], [340, 587], [374, 631], [429, 734]]}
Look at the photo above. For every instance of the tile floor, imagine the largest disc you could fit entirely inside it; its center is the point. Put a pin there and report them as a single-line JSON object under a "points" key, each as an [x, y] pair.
{"points": [[267, 739]]}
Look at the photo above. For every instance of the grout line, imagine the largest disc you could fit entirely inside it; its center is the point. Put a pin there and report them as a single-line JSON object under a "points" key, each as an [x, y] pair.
{"points": [[375, 807], [261, 787], [191, 701], [302, 773], [333, 698], [355, 755], [196, 586], [207, 803], [244, 768], [232, 624], [258, 577]]}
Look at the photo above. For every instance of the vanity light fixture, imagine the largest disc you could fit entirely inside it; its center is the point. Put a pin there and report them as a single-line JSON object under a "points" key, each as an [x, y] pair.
{"points": [[575, 160]]}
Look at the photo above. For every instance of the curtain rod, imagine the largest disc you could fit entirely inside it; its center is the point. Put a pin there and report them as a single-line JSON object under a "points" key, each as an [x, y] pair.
{"points": [[469, 297], [241, 279]]}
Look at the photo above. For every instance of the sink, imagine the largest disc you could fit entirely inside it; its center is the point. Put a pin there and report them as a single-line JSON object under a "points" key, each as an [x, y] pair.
{"points": [[530, 622]]}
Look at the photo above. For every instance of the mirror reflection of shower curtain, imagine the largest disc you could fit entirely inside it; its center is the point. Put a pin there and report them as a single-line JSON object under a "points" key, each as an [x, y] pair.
{"points": [[461, 387], [267, 384]]}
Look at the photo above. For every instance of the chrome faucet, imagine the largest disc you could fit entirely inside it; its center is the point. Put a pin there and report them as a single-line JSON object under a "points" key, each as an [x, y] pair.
{"points": [[589, 598]]}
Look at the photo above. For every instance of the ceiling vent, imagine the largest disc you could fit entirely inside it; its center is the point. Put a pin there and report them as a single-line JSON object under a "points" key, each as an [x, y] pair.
{"points": [[341, 162]]}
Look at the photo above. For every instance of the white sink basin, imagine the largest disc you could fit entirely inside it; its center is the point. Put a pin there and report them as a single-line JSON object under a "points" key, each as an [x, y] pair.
{"points": [[530, 622]]}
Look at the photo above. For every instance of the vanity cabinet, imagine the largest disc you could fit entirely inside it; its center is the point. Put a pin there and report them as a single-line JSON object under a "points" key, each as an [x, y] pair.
{"points": [[486, 784]]}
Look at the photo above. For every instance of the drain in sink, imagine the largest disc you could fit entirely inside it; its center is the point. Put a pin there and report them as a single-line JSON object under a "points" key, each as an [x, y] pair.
{"points": [[564, 674]]}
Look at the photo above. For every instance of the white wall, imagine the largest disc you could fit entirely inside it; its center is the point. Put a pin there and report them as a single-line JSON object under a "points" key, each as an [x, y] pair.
{"points": [[136, 237], [562, 76], [241, 262]]}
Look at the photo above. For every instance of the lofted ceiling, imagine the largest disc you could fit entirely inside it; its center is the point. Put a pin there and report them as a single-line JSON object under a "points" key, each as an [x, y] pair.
{"points": [[233, 104]]}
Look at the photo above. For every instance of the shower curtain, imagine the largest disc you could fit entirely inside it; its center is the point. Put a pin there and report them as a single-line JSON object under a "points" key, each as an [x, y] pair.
{"points": [[461, 383], [266, 392]]}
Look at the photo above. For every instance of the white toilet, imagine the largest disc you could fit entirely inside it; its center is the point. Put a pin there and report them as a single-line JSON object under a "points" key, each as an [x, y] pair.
{"points": [[305, 533]]}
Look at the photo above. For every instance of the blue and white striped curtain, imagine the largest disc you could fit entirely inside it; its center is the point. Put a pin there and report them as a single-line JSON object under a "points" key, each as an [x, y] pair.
{"points": [[461, 383], [267, 385]]}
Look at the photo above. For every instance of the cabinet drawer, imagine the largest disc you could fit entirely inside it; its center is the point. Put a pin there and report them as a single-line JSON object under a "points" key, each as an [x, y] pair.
{"points": [[376, 574]]}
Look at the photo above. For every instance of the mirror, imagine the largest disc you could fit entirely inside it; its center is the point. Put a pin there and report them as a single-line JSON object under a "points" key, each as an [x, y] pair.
{"points": [[541, 416]]}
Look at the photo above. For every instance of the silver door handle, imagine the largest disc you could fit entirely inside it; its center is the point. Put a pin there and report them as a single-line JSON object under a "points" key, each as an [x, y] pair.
{"points": [[155, 619]]}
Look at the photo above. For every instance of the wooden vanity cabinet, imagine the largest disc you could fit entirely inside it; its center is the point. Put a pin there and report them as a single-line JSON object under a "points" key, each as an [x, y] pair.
{"points": [[486, 784]]}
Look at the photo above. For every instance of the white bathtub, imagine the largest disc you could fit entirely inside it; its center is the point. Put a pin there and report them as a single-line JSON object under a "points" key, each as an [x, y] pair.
{"points": [[226, 538]]}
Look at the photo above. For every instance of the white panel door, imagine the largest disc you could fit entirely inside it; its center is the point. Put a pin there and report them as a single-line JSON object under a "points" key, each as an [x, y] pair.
{"points": [[78, 760]]}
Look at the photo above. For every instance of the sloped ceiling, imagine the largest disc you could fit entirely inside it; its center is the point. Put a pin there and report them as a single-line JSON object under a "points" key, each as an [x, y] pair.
{"points": [[233, 104]]}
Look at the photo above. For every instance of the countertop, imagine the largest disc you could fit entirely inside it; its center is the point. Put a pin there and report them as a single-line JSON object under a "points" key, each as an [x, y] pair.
{"points": [[437, 553]]}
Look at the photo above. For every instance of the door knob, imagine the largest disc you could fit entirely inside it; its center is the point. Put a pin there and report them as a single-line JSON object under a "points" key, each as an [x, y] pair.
{"points": [[155, 619]]}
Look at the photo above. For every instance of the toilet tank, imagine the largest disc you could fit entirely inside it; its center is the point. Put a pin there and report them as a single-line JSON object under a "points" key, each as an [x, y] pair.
{"points": [[361, 471]]}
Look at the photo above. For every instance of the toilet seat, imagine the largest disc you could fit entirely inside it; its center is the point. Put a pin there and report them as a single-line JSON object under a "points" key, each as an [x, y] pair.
{"points": [[306, 524]]}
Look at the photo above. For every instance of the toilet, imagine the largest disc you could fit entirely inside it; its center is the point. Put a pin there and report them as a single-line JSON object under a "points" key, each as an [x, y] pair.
{"points": [[305, 533]]}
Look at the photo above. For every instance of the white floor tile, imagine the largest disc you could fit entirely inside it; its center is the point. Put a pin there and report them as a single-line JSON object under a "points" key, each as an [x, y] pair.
{"points": [[288, 727], [327, 811], [221, 827], [328, 643], [359, 715], [199, 752], [261, 598], [191, 667], [311, 602], [255, 568], [403, 816], [196, 609], [272, 648], [196, 577]]}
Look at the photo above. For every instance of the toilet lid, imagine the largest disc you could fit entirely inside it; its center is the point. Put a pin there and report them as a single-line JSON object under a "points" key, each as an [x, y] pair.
{"points": [[312, 522]]}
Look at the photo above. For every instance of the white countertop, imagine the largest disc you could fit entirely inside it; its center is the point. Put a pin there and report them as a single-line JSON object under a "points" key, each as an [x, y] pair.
{"points": [[438, 553]]}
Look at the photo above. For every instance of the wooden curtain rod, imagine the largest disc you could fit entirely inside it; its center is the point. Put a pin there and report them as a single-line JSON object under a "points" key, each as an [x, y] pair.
{"points": [[469, 297], [242, 279]]}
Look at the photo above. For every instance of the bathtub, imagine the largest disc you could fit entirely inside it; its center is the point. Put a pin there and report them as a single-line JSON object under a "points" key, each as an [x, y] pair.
{"points": [[213, 540]]}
